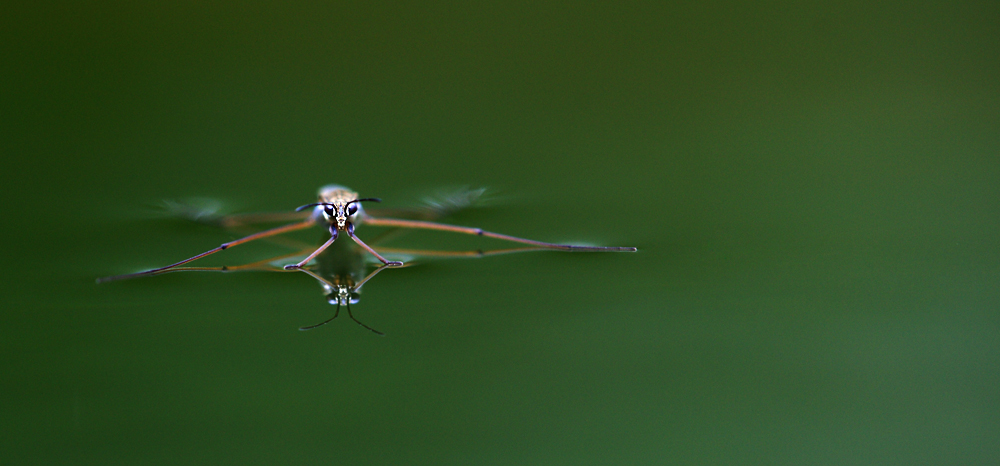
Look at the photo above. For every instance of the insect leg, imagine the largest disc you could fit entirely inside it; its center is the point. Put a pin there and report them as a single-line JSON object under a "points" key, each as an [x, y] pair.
{"points": [[259, 235], [473, 254], [333, 237], [395, 222], [350, 232]]}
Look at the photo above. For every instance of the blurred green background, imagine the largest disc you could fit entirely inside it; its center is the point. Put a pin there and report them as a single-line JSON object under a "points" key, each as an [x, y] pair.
{"points": [[813, 187]]}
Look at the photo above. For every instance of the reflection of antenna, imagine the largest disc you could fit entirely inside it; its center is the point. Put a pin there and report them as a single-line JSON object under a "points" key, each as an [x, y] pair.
{"points": [[335, 313], [353, 288], [358, 321]]}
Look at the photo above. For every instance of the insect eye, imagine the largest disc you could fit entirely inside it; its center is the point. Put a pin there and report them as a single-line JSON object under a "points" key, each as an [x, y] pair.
{"points": [[352, 209], [329, 210]]}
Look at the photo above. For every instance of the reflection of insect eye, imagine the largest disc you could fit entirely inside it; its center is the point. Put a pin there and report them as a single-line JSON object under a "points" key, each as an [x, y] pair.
{"points": [[352, 209]]}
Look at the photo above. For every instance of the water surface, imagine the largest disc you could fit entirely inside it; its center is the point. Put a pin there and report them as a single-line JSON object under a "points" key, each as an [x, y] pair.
{"points": [[813, 191]]}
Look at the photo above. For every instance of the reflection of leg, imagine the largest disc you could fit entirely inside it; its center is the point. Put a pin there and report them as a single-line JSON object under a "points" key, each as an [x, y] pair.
{"points": [[350, 232], [245, 239], [395, 222], [314, 275], [357, 285], [333, 237], [259, 266]]}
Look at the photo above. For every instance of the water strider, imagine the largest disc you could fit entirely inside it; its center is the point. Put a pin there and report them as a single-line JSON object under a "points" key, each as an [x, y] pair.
{"points": [[341, 209], [340, 270]]}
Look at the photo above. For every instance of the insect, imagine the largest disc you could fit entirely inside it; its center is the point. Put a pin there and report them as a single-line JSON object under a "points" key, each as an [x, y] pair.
{"points": [[340, 267], [340, 208]]}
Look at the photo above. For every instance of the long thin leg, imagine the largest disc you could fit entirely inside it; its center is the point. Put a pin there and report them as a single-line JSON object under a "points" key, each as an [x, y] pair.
{"points": [[333, 237], [433, 209], [223, 246], [350, 232], [238, 223], [396, 222], [261, 265], [207, 215], [440, 204], [470, 254]]}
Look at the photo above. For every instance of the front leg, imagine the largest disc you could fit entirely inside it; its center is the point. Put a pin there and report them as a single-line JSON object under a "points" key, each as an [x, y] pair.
{"points": [[334, 232], [350, 232]]}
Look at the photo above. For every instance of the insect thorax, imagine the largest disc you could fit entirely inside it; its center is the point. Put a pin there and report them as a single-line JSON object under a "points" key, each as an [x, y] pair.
{"points": [[336, 194]]}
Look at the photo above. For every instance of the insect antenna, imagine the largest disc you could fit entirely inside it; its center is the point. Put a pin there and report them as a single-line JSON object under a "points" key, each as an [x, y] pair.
{"points": [[335, 313], [314, 204], [359, 322]]}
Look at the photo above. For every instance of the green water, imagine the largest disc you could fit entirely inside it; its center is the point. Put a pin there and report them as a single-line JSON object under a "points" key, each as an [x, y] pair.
{"points": [[813, 190]]}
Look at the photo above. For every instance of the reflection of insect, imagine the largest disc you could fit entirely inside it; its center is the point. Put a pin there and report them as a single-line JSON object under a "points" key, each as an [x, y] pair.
{"points": [[340, 270], [341, 209], [342, 291]]}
